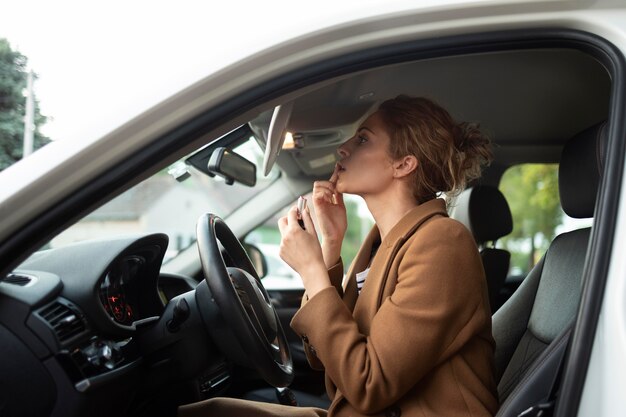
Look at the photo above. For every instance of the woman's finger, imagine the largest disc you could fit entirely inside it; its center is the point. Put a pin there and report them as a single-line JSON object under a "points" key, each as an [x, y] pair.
{"points": [[333, 181], [325, 195], [292, 216], [308, 222], [282, 225], [322, 190], [339, 198], [333, 177], [323, 185]]}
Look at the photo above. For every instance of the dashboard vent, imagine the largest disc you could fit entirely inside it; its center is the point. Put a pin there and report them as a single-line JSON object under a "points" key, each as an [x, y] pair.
{"points": [[15, 279], [65, 322]]}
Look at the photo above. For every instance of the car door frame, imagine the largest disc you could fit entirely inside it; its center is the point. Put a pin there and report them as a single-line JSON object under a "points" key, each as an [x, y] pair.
{"points": [[124, 172]]}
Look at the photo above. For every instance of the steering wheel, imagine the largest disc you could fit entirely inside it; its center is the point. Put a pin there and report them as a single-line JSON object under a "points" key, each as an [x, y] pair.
{"points": [[243, 302]]}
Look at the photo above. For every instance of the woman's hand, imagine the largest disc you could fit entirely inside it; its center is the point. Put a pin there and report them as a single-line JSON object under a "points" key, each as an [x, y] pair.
{"points": [[331, 217], [301, 250]]}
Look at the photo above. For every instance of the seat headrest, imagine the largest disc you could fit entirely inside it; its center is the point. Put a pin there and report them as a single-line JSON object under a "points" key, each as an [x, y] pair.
{"points": [[580, 170], [485, 212]]}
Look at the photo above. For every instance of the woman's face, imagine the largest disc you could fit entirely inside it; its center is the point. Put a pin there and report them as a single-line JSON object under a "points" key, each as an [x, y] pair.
{"points": [[365, 166]]}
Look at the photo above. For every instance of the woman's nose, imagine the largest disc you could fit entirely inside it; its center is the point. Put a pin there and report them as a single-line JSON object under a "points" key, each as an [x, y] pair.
{"points": [[342, 151]]}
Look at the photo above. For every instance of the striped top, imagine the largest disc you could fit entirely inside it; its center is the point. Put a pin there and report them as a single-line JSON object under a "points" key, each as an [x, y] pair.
{"points": [[361, 276], [360, 279]]}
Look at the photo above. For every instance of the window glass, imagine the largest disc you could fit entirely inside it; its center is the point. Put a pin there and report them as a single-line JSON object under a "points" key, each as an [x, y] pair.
{"points": [[533, 195], [161, 204], [267, 238]]}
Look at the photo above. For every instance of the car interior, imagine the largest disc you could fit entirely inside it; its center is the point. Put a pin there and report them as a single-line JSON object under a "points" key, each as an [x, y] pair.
{"points": [[104, 326]]}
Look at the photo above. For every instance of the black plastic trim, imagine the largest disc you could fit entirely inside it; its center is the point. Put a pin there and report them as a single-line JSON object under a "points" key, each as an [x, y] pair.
{"points": [[101, 380], [35, 234], [200, 159]]}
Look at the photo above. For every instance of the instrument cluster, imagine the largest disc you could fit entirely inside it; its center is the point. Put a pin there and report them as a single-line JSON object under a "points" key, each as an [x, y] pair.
{"points": [[117, 293]]}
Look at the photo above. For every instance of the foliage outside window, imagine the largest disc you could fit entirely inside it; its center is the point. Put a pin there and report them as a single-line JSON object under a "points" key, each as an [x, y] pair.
{"points": [[532, 191], [13, 77]]}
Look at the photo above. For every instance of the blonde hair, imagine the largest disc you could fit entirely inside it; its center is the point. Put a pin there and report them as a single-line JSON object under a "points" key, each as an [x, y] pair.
{"points": [[449, 154]]}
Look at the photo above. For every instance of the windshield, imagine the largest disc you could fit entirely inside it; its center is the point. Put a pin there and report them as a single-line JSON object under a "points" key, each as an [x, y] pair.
{"points": [[164, 205]]}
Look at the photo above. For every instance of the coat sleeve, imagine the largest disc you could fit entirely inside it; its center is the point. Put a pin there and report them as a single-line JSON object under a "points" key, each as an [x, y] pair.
{"points": [[335, 273], [432, 313]]}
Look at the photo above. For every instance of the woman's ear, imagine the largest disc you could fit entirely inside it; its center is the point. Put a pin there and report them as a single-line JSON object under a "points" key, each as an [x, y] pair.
{"points": [[404, 166]]}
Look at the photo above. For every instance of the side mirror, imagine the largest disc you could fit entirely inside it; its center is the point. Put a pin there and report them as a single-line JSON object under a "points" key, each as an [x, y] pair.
{"points": [[232, 167], [257, 258]]}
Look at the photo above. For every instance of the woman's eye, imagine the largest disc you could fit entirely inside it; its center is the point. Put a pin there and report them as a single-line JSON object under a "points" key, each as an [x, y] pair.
{"points": [[362, 139]]}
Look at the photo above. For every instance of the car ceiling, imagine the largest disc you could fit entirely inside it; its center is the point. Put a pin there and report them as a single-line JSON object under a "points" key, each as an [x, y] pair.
{"points": [[528, 101]]}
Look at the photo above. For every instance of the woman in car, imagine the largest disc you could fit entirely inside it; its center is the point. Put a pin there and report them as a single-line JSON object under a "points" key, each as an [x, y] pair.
{"points": [[409, 332]]}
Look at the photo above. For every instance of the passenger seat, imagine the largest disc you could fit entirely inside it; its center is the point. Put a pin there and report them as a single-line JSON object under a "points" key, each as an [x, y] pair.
{"points": [[485, 212], [532, 329]]}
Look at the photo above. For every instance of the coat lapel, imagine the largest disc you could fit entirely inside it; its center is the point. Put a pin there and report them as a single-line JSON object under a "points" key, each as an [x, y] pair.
{"points": [[369, 301]]}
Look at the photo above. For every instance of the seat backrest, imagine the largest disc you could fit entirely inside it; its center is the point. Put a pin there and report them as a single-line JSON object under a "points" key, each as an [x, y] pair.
{"points": [[485, 212], [496, 263], [532, 328]]}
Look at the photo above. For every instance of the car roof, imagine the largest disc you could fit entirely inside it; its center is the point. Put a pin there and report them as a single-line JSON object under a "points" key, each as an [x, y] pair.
{"points": [[529, 102]]}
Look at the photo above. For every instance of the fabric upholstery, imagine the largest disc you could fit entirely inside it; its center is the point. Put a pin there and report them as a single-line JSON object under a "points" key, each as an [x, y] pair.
{"points": [[536, 386], [528, 349], [554, 306], [510, 322], [560, 286]]}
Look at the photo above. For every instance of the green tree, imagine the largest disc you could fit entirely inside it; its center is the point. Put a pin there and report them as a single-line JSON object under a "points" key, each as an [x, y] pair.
{"points": [[533, 194], [13, 80]]}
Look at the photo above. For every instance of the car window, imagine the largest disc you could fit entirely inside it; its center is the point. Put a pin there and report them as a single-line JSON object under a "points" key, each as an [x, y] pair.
{"points": [[162, 204], [532, 192], [266, 237]]}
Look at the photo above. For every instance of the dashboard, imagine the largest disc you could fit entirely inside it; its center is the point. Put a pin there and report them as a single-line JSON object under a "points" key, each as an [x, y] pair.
{"points": [[114, 283], [72, 320], [116, 289]]}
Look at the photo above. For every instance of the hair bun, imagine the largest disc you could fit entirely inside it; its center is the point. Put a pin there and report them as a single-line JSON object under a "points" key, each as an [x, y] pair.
{"points": [[451, 154]]}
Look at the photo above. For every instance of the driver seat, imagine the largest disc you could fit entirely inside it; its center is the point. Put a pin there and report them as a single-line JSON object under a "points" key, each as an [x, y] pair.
{"points": [[532, 329]]}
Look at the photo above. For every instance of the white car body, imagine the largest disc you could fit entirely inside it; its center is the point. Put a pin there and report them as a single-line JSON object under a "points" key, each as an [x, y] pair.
{"points": [[54, 173]]}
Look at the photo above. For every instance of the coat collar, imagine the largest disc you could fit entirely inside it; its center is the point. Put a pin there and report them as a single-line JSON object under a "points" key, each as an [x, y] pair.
{"points": [[412, 220], [394, 239]]}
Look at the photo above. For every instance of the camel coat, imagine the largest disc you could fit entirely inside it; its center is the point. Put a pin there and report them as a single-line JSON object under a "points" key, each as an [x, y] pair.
{"points": [[417, 340]]}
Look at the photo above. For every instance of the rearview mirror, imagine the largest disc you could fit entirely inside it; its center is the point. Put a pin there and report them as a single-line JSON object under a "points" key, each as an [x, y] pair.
{"points": [[232, 167]]}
